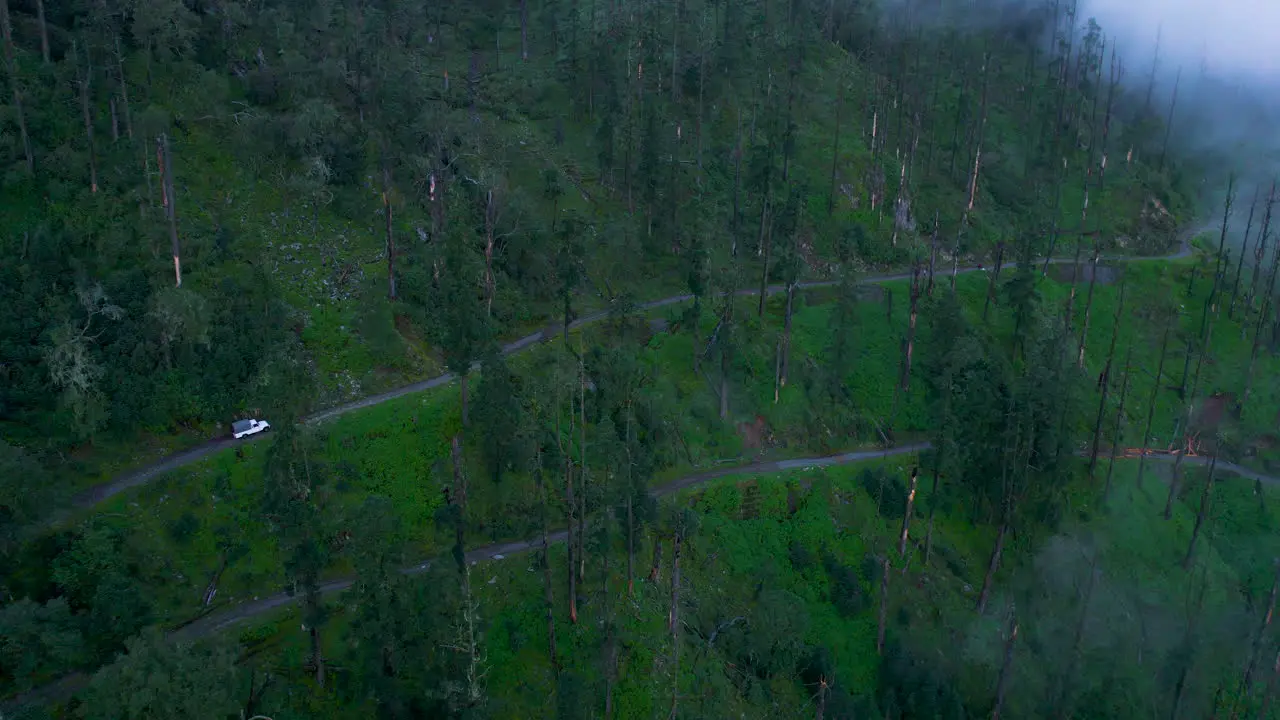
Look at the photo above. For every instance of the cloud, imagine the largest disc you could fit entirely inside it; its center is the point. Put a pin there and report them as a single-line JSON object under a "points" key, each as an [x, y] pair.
{"points": [[1232, 38]]}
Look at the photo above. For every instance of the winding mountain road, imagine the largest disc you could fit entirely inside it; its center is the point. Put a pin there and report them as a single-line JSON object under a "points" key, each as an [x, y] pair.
{"points": [[141, 476], [231, 615]]}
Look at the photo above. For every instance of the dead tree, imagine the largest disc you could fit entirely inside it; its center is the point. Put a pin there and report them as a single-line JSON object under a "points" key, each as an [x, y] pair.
{"points": [[906, 516], [1075, 279], [44, 32], [1222, 246], [912, 318], [84, 77], [993, 564], [391, 243], [1261, 252], [1104, 382], [1088, 304], [1186, 427], [933, 254], [784, 345], [1260, 638], [124, 89], [1206, 498], [1006, 668], [993, 280], [570, 508], [549, 592], [1117, 431], [673, 619], [1268, 305], [490, 219], [1168, 123], [982, 129], [524, 30], [835, 150], [169, 197], [1155, 67], [1068, 676], [11, 69], [884, 605], [1191, 641], [1151, 403], [1271, 689], [1244, 248]]}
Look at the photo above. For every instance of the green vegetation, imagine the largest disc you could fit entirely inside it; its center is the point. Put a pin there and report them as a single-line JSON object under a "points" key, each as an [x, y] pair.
{"points": [[367, 195]]}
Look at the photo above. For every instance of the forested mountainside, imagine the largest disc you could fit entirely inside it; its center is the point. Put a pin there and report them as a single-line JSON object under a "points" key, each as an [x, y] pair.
{"points": [[811, 429], [332, 176]]}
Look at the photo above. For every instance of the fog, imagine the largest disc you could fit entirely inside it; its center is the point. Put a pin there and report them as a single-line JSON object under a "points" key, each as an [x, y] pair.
{"points": [[1226, 51], [1231, 38]]}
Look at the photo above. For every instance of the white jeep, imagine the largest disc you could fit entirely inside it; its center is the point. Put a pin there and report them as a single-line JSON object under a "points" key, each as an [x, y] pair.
{"points": [[242, 428]]}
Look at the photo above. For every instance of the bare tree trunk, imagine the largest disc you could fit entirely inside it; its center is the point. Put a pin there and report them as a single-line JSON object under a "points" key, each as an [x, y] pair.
{"points": [[906, 516], [1260, 638], [1186, 359], [1155, 66], [582, 455], [912, 317], [1104, 382], [1151, 404], [1271, 690], [1222, 245], [1244, 248], [675, 56], [524, 30], [1088, 305], [165, 160], [786, 336], [835, 150], [44, 32], [766, 246], [463, 383], [1253, 354], [933, 491], [737, 188], [115, 121], [11, 67], [1205, 498], [1068, 677], [546, 567], [317, 655], [490, 285], [1006, 669], [933, 254], [992, 566], [1268, 305], [992, 280], [631, 547], [884, 604], [1168, 124], [85, 77], [1075, 281], [124, 89], [982, 131], [1261, 252], [391, 245], [1117, 432], [1186, 428], [570, 508], [955, 255], [673, 621]]}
